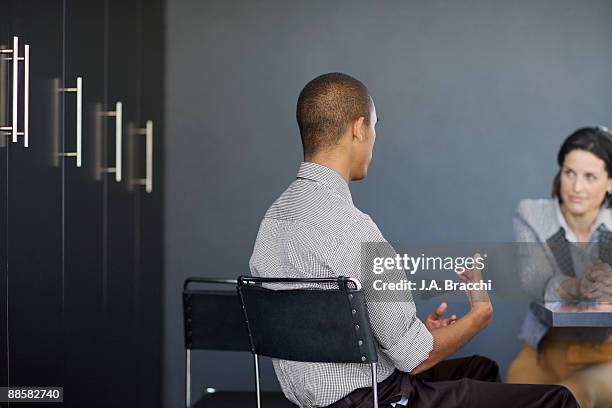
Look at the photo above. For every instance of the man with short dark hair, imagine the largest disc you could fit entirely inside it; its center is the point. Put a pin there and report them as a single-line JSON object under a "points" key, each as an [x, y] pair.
{"points": [[324, 108], [314, 230]]}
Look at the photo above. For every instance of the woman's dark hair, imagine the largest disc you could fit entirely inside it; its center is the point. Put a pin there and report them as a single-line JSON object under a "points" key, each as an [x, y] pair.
{"points": [[596, 140]]}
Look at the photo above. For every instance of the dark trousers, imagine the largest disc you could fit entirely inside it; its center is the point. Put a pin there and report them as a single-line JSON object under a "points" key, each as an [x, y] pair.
{"points": [[471, 382]]}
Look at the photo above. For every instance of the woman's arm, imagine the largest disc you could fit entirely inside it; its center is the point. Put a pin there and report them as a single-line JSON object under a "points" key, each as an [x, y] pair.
{"points": [[535, 267], [540, 277]]}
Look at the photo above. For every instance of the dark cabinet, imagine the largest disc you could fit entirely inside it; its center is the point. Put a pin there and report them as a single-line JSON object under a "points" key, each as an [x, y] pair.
{"points": [[81, 247], [5, 115], [149, 206], [122, 86], [83, 204], [34, 205]]}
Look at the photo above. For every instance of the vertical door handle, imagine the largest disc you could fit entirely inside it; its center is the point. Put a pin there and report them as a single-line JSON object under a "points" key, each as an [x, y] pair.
{"points": [[26, 96], [147, 131], [15, 58], [79, 120], [117, 113]]}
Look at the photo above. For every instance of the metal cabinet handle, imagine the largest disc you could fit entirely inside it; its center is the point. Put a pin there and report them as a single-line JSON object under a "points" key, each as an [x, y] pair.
{"points": [[117, 113], [148, 132], [26, 96], [79, 120], [149, 147], [26, 91]]}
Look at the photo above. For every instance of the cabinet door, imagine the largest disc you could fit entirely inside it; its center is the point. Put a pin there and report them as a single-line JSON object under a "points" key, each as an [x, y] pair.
{"points": [[83, 195], [119, 204], [149, 217], [5, 38], [35, 245]]}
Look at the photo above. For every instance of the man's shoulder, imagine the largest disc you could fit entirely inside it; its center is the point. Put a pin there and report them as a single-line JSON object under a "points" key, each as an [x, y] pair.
{"points": [[313, 205]]}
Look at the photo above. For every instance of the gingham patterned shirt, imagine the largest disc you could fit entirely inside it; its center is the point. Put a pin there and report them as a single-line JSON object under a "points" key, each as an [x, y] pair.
{"points": [[313, 230]]}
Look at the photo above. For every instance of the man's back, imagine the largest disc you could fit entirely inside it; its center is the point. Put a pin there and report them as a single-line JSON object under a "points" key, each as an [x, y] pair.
{"points": [[305, 223], [314, 230]]}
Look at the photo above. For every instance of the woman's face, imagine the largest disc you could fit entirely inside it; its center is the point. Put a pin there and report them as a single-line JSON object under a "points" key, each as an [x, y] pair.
{"points": [[584, 182]]}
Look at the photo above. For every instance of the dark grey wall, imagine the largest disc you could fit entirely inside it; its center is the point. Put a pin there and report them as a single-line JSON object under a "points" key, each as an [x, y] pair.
{"points": [[474, 99]]}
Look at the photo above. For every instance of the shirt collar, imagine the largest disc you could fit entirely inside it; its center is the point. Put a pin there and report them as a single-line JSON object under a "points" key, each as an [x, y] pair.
{"points": [[603, 221], [327, 176]]}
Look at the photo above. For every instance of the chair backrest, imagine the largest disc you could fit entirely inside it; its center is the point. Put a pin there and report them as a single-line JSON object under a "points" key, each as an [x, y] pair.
{"points": [[312, 325], [213, 319]]}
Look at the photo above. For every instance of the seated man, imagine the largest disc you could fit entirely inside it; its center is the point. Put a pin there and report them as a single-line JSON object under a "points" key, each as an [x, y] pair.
{"points": [[314, 230]]}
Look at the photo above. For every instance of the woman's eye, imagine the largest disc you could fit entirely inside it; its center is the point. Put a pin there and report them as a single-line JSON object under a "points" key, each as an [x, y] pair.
{"points": [[569, 173], [590, 177]]}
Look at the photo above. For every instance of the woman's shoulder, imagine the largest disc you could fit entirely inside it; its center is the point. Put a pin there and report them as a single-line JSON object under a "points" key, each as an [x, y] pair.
{"points": [[607, 212], [535, 206], [606, 217], [540, 214]]}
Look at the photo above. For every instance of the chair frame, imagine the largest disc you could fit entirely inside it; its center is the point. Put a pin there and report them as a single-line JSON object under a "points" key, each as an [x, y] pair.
{"points": [[215, 281], [341, 281]]}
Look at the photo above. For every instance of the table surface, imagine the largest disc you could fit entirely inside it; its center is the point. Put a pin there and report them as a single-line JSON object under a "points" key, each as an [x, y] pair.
{"points": [[560, 314]]}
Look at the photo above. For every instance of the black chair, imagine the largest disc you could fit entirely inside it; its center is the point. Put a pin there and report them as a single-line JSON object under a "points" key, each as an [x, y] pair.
{"points": [[214, 321], [309, 324]]}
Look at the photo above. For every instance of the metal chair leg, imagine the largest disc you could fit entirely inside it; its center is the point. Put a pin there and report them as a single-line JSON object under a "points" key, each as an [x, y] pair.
{"points": [[375, 385], [257, 386], [187, 378]]}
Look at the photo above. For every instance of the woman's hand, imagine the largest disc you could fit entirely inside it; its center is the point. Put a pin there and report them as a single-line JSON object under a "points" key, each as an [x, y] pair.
{"points": [[596, 284]]}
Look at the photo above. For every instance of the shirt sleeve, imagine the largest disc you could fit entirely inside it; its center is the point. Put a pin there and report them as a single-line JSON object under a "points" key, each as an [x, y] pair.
{"points": [[400, 334], [551, 293]]}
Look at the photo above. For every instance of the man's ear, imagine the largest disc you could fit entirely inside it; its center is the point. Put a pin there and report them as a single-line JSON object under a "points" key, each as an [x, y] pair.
{"points": [[358, 129]]}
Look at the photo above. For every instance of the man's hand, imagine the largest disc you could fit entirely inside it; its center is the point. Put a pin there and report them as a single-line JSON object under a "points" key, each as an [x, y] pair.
{"points": [[477, 298], [434, 320], [451, 334]]}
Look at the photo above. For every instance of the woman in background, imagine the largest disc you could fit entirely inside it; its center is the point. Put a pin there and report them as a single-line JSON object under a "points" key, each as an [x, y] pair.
{"points": [[567, 256]]}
